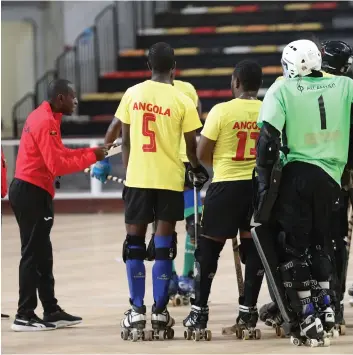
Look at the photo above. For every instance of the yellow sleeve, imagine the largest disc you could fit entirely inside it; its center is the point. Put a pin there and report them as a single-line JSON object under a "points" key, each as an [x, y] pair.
{"points": [[122, 112], [191, 121], [193, 95], [212, 127]]}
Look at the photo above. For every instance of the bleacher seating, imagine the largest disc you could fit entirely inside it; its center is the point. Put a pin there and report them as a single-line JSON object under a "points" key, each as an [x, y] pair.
{"points": [[209, 38]]}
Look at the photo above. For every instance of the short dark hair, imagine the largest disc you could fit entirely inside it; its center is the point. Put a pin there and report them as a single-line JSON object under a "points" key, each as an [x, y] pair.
{"points": [[249, 74], [58, 87], [161, 57]]}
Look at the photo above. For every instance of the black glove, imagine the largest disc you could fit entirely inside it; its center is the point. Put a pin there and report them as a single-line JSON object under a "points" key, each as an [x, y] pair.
{"points": [[198, 176]]}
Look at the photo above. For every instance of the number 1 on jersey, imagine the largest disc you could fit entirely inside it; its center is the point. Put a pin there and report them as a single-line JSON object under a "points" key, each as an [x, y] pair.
{"points": [[152, 146], [322, 112]]}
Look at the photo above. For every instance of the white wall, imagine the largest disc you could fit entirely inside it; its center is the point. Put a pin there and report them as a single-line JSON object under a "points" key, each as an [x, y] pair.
{"points": [[79, 15], [33, 13], [17, 67]]}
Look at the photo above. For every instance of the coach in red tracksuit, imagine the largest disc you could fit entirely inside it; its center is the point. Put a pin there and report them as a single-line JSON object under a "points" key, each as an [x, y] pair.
{"points": [[41, 158]]}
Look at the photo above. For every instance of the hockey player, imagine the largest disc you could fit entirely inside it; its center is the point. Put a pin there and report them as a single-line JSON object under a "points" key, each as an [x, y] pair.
{"points": [[228, 144], [337, 59], [310, 112], [154, 116]]}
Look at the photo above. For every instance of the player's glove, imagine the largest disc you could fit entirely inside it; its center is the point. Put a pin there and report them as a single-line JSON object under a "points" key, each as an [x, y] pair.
{"points": [[198, 176], [101, 170]]}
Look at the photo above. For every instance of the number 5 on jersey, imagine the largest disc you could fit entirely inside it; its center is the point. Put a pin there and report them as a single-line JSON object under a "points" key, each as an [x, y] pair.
{"points": [[243, 137], [147, 132]]}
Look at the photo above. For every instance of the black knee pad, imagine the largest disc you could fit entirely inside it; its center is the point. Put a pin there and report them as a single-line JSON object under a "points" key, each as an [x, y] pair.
{"points": [[246, 248], [207, 253], [321, 265], [154, 253], [134, 253], [296, 274]]}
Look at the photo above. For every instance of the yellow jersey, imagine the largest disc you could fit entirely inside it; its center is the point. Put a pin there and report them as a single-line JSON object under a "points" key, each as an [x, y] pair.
{"points": [[158, 115], [190, 91], [233, 125]]}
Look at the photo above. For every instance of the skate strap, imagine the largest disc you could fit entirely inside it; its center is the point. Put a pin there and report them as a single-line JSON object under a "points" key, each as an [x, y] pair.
{"points": [[297, 285], [305, 301], [320, 293]]}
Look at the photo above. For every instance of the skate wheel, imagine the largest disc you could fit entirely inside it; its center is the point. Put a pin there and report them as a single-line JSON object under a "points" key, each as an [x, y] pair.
{"points": [[327, 342], [208, 335], [161, 335], [196, 335], [187, 334], [280, 332], [257, 334], [314, 343], [134, 335], [245, 334], [351, 302], [238, 333], [186, 301], [124, 334], [342, 329], [295, 341], [169, 333], [335, 333], [176, 301]]}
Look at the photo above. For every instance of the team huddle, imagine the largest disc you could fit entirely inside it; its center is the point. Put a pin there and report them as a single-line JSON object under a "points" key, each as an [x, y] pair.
{"points": [[280, 181]]}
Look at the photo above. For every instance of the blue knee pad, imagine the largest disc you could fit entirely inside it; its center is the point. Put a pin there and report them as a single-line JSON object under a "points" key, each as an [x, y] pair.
{"points": [[134, 253], [162, 269]]}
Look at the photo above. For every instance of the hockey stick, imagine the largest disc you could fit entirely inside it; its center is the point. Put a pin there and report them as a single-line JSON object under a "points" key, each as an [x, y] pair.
{"points": [[109, 177], [232, 329], [113, 150]]}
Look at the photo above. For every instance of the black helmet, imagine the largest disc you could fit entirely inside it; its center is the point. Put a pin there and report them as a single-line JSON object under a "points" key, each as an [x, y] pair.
{"points": [[337, 57]]}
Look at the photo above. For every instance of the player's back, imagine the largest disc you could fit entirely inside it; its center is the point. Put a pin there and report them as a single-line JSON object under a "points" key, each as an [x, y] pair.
{"points": [[158, 115], [317, 120], [233, 125]]}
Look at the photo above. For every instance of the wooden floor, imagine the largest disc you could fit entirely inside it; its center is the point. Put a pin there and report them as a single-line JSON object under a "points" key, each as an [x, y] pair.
{"points": [[91, 282]]}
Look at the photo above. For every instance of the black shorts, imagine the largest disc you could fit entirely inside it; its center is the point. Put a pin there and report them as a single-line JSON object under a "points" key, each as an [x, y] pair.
{"points": [[144, 206], [227, 208], [306, 204]]}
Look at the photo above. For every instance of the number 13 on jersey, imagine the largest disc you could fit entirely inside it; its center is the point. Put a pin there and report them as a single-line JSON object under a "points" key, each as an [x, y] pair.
{"points": [[246, 138]]}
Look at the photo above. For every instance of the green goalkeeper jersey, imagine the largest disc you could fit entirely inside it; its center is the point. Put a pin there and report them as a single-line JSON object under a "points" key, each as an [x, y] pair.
{"points": [[313, 115]]}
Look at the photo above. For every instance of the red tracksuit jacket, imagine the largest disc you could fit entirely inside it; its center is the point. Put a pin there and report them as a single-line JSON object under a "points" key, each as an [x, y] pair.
{"points": [[42, 155], [3, 175]]}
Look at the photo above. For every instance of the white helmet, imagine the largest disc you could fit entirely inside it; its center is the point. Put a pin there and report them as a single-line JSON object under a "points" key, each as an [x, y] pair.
{"points": [[300, 57]]}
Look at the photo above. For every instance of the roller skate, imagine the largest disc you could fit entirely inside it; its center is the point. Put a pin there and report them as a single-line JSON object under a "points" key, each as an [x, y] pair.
{"points": [[339, 320], [246, 323], [185, 289], [196, 323], [162, 324], [327, 316], [174, 298], [271, 316], [134, 323], [311, 333]]}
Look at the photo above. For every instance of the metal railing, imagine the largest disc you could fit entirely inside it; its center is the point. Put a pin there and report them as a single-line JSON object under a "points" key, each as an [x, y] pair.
{"points": [[41, 87], [85, 61], [107, 44], [95, 53], [20, 111]]}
